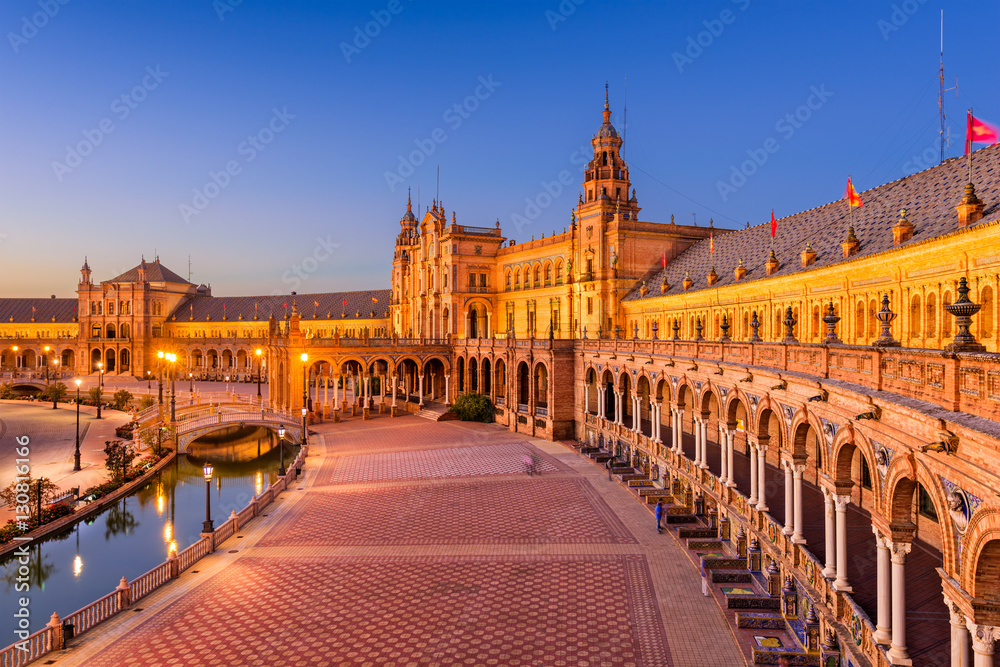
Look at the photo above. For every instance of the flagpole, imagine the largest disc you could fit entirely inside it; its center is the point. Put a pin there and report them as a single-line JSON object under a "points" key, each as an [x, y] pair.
{"points": [[968, 142]]}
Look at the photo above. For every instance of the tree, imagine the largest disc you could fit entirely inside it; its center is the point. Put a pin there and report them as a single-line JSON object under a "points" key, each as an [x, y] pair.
{"points": [[121, 399], [6, 391], [22, 494], [474, 408], [58, 389], [119, 459], [94, 393], [156, 437], [146, 401]]}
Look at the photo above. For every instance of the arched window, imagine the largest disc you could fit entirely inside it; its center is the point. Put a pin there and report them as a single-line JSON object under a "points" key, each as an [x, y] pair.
{"points": [[125, 331], [915, 316], [538, 276], [986, 312], [931, 326], [548, 275], [859, 320], [517, 279], [93, 307], [507, 281], [559, 273], [947, 317], [872, 322], [605, 159]]}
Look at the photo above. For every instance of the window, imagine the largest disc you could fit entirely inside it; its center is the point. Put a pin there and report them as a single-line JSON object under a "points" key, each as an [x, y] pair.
{"points": [[482, 280], [925, 506], [472, 280], [538, 276], [559, 276], [590, 269], [507, 281], [866, 475], [548, 275], [590, 305], [111, 307]]}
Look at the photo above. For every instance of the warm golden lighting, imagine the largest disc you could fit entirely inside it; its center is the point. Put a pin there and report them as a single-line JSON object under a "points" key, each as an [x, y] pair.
{"points": [[15, 348], [168, 532], [305, 357], [259, 483], [46, 348], [160, 354], [77, 566], [172, 549], [78, 382], [161, 503], [258, 352]]}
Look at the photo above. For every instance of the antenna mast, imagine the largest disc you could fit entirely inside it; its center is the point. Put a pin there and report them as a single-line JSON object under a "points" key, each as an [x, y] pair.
{"points": [[625, 119], [189, 268], [941, 91]]}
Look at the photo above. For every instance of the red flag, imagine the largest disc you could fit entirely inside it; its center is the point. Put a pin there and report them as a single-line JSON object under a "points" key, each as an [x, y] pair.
{"points": [[285, 305], [711, 244], [374, 300], [852, 197], [980, 132], [664, 259], [316, 304], [774, 224], [345, 303]]}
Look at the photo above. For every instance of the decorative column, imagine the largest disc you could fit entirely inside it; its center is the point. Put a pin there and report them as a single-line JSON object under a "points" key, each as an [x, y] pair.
{"points": [[619, 408], [959, 635], [704, 443], [830, 570], [897, 652], [447, 389], [761, 483], [393, 391], [841, 584], [732, 445], [753, 475], [789, 501], [600, 402], [984, 638], [883, 598], [797, 471], [586, 398], [421, 403], [723, 472], [637, 414]]}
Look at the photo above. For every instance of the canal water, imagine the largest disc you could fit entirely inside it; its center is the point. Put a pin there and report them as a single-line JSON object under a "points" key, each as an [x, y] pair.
{"points": [[70, 570]]}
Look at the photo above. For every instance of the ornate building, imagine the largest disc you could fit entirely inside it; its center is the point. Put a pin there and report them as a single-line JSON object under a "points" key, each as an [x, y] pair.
{"points": [[825, 402]]}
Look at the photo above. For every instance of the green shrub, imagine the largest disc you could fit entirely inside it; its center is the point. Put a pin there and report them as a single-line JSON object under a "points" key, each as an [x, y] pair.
{"points": [[56, 388], [6, 391], [121, 399], [146, 401], [474, 408]]}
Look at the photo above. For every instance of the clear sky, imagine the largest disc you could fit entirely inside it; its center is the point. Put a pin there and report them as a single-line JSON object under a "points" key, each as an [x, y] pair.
{"points": [[274, 142]]}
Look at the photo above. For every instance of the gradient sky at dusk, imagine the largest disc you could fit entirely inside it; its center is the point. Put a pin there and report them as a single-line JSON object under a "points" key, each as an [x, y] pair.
{"points": [[220, 77]]}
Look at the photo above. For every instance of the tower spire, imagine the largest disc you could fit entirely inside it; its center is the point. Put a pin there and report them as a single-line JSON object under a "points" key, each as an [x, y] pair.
{"points": [[607, 108]]}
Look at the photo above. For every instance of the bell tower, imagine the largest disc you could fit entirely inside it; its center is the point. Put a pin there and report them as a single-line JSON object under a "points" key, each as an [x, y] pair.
{"points": [[606, 185]]}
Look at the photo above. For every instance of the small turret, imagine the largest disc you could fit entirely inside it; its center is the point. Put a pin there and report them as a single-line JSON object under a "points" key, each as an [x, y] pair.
{"points": [[85, 272]]}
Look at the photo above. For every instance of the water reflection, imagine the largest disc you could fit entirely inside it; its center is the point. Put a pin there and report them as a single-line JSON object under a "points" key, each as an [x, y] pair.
{"points": [[137, 533]]}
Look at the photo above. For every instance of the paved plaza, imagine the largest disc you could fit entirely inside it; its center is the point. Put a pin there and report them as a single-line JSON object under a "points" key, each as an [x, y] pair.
{"points": [[410, 542]]}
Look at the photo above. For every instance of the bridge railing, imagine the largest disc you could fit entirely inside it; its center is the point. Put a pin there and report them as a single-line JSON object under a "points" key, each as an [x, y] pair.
{"points": [[53, 636], [234, 418]]}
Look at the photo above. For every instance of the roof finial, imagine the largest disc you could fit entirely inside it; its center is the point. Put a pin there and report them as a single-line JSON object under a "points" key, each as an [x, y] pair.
{"points": [[409, 203], [607, 109]]}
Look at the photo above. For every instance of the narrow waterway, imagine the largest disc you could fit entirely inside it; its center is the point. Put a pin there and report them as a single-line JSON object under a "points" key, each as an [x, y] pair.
{"points": [[85, 562]]}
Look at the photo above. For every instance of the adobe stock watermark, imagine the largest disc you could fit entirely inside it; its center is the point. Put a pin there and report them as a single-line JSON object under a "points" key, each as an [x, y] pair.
{"points": [[454, 116], [900, 14], [925, 159], [565, 9], [308, 265], [787, 126], [696, 44], [381, 18], [30, 25], [223, 7], [122, 107], [22, 500], [248, 150]]}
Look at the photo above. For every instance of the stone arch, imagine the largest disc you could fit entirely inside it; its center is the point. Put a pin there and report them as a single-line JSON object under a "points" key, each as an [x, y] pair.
{"points": [[802, 423], [980, 555], [841, 468], [541, 380], [900, 487], [473, 373], [523, 383], [461, 374]]}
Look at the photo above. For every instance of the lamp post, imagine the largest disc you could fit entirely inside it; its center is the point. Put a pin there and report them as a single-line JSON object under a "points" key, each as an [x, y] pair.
{"points": [[281, 450], [45, 357], [15, 363], [172, 358], [227, 386], [305, 397], [159, 376], [76, 453], [258, 352], [100, 375], [148, 374], [54, 384], [191, 382], [207, 527]]}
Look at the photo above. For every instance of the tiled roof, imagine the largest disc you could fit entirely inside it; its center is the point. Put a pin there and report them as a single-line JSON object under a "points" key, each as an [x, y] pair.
{"points": [[930, 198], [155, 273], [19, 310], [331, 306]]}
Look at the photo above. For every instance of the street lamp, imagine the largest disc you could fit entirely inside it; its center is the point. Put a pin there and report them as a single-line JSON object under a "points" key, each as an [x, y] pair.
{"points": [[148, 374], [305, 430], [227, 385], [281, 450], [159, 376], [172, 358], [76, 454], [15, 363], [100, 376], [46, 358], [207, 526], [258, 352], [54, 384], [191, 383], [305, 396]]}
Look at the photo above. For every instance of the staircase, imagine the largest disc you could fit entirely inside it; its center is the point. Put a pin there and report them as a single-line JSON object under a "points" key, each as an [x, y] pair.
{"points": [[433, 411]]}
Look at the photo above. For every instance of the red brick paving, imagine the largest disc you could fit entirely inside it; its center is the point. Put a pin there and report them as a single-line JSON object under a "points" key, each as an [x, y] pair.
{"points": [[532, 511]]}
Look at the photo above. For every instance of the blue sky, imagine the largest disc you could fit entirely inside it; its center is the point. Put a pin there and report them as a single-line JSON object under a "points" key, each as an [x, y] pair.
{"points": [[273, 142]]}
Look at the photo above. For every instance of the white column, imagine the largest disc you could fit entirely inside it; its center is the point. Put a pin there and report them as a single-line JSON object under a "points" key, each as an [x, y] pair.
{"points": [[761, 479], [652, 420], [393, 391], [447, 389], [586, 398], [984, 638], [789, 501], [753, 475], [841, 583], [830, 571], [731, 445], [959, 635], [723, 459], [600, 401], [704, 443], [797, 535], [696, 432], [674, 429], [637, 414], [620, 408], [883, 596], [421, 403], [897, 652]]}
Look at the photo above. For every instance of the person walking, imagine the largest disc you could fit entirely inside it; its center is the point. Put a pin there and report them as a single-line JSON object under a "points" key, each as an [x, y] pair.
{"points": [[659, 514]]}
